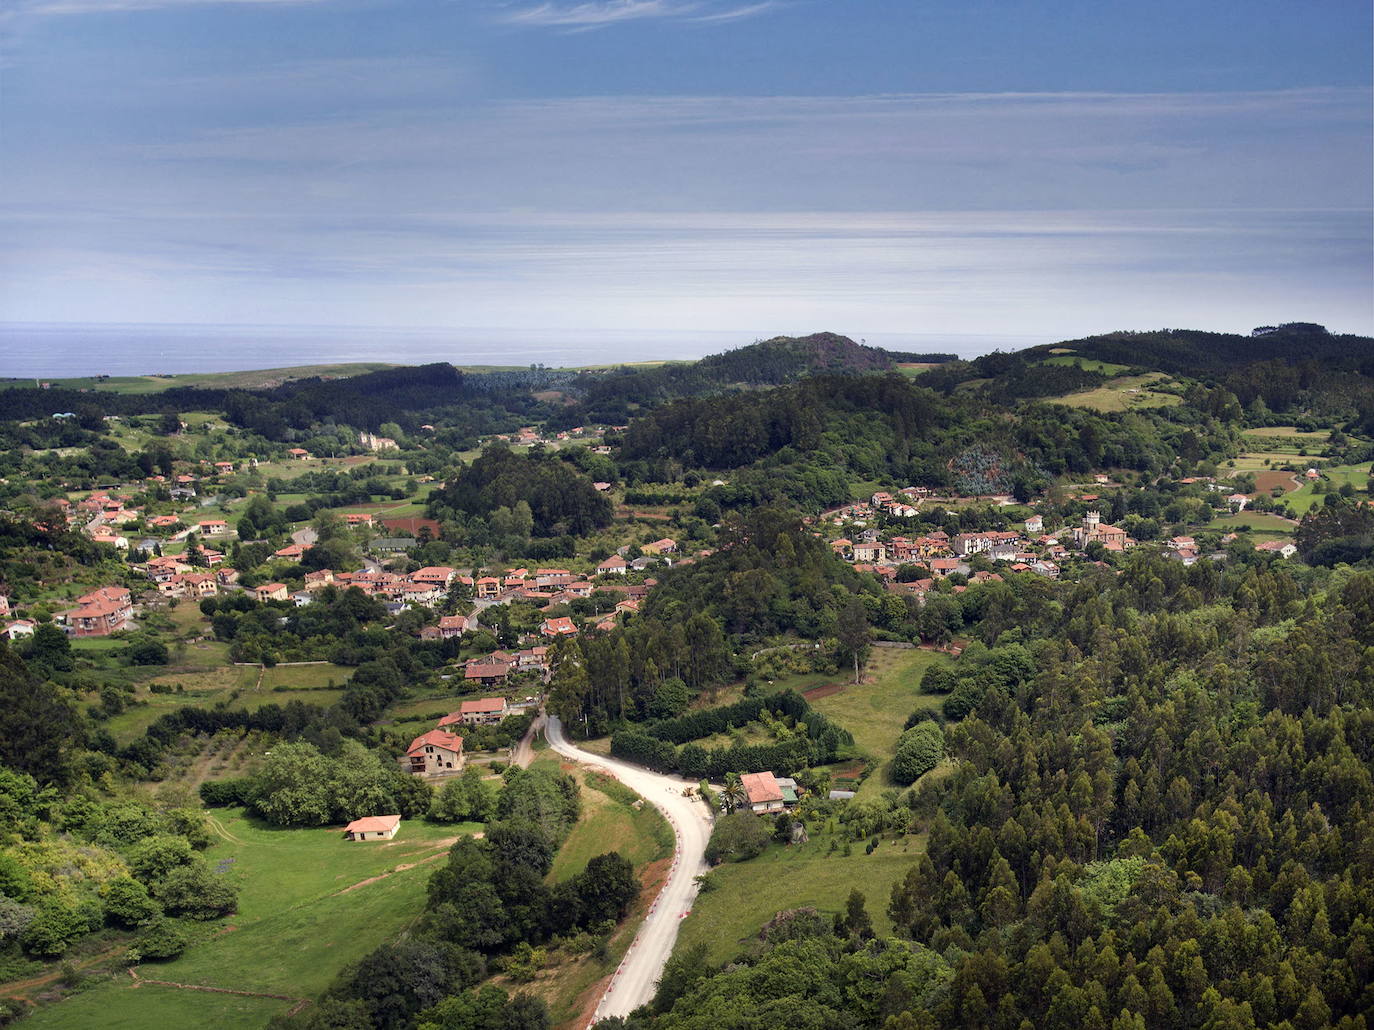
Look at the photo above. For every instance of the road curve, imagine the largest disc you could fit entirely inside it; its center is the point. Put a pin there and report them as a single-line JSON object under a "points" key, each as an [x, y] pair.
{"points": [[634, 981]]}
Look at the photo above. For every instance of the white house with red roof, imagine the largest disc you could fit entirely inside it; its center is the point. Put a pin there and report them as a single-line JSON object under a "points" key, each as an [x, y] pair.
{"points": [[559, 627], [436, 753], [765, 794], [373, 827]]}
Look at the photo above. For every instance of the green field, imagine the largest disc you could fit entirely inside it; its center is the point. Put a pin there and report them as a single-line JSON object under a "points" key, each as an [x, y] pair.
{"points": [[610, 823], [1289, 433], [875, 710], [295, 929], [1125, 394], [748, 894], [1088, 364], [1263, 525]]}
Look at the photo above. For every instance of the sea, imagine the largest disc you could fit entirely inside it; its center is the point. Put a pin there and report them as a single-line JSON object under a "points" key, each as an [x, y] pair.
{"points": [[54, 351]]}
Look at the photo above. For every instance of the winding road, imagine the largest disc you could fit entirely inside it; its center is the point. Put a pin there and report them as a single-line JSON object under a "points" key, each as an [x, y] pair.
{"points": [[634, 981]]}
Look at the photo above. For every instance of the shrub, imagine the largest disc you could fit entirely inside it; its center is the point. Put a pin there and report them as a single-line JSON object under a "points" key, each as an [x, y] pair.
{"points": [[739, 836], [919, 750], [162, 939]]}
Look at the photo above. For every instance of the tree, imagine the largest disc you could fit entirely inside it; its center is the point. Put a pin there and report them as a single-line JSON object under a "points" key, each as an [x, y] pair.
{"points": [[919, 750], [853, 633], [38, 726], [465, 799], [739, 836]]}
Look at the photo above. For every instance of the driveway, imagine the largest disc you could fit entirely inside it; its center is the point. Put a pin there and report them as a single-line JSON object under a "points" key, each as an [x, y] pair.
{"points": [[634, 982]]}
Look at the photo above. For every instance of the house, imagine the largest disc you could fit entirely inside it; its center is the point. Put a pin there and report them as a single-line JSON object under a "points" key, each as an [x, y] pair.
{"points": [[871, 551], [1035, 524], [664, 546], [319, 580], [486, 587], [299, 453], [435, 575], [19, 628], [942, 567], [559, 627], [212, 527], [1282, 548], [271, 592], [486, 673], [190, 584], [451, 626], [100, 613], [224, 466], [612, 566], [436, 753], [1238, 501], [553, 577], [484, 711], [291, 552], [373, 827], [355, 518], [841, 546], [763, 792]]}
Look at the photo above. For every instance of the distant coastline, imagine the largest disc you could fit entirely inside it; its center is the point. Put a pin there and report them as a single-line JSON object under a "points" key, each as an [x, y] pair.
{"points": [[56, 350]]}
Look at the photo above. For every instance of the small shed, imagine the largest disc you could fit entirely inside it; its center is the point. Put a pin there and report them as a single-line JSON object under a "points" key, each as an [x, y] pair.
{"points": [[373, 827]]}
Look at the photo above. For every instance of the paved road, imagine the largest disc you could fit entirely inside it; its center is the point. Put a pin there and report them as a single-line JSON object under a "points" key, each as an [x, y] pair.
{"points": [[634, 982]]}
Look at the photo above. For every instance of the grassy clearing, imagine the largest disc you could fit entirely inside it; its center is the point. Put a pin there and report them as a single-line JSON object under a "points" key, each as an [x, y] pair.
{"points": [[305, 677], [294, 930], [1289, 433], [1125, 394], [875, 710], [1262, 524], [748, 894], [1088, 364], [609, 822]]}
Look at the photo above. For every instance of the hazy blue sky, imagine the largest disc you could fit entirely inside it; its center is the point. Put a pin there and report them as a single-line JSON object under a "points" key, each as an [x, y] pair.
{"points": [[1036, 167]]}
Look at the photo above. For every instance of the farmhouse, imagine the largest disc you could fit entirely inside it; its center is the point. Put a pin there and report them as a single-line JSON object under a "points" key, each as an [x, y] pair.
{"points": [[765, 795], [483, 711], [435, 753], [487, 673], [373, 827]]}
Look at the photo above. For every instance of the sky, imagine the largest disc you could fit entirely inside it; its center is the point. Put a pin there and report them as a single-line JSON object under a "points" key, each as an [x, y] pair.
{"points": [[1034, 169]]}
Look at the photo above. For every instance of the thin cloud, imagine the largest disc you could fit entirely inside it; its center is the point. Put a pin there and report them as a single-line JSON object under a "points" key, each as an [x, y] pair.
{"points": [[593, 14]]}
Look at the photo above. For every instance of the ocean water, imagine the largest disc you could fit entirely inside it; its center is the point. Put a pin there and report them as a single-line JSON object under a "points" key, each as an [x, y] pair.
{"points": [[48, 350]]}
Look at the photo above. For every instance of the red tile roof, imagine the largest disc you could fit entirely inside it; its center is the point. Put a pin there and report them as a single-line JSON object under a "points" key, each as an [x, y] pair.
{"points": [[761, 787]]}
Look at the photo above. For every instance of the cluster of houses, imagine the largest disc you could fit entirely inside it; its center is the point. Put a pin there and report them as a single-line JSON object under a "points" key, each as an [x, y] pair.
{"points": [[1031, 549]]}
